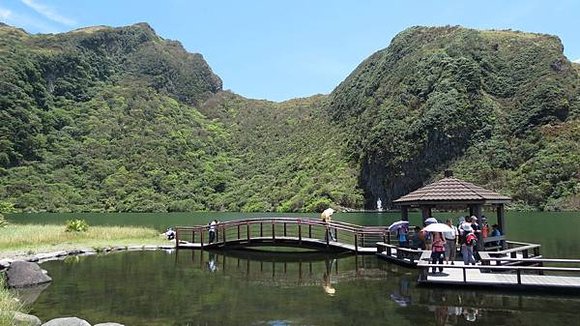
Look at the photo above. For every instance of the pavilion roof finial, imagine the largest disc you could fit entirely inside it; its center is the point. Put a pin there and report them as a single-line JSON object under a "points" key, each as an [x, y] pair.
{"points": [[448, 173]]}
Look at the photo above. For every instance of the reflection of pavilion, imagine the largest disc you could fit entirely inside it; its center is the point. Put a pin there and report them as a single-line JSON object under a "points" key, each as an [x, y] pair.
{"points": [[287, 270]]}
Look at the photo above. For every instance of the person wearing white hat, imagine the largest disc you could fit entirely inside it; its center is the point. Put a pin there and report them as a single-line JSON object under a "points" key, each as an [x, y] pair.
{"points": [[468, 241]]}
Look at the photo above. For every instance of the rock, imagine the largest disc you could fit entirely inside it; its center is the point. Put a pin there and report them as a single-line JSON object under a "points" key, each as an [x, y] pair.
{"points": [[28, 295], [5, 263], [109, 324], [67, 321], [23, 274], [21, 319]]}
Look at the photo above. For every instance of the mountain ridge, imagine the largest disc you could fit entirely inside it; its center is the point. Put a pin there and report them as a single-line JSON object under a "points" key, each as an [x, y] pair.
{"points": [[120, 119]]}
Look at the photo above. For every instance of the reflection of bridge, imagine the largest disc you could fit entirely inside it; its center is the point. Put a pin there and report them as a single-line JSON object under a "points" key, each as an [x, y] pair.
{"points": [[290, 269], [284, 232]]}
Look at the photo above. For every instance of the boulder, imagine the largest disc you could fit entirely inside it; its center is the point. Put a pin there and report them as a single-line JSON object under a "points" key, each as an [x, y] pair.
{"points": [[22, 274], [29, 294], [21, 319], [67, 321]]}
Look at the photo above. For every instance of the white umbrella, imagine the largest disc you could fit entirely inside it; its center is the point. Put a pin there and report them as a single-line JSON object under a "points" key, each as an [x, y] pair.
{"points": [[397, 225], [431, 220], [437, 227]]}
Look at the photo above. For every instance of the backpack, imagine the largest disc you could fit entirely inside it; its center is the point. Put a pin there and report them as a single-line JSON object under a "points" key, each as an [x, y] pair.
{"points": [[471, 239]]}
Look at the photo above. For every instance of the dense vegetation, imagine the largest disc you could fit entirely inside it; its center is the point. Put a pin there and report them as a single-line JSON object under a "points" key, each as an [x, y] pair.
{"points": [[499, 107], [119, 119], [104, 119]]}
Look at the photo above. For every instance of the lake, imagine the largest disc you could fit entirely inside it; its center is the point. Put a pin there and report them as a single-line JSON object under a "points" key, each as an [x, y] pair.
{"points": [[188, 287], [557, 232]]}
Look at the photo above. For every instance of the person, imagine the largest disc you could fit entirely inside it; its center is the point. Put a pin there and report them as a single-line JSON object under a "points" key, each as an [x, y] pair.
{"points": [[326, 217], [402, 236], [212, 231], [468, 243], [495, 232], [484, 227], [451, 242], [477, 232], [170, 233], [438, 250], [416, 241]]}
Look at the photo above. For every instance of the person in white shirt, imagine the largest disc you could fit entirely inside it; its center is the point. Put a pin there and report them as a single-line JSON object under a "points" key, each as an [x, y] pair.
{"points": [[451, 243]]}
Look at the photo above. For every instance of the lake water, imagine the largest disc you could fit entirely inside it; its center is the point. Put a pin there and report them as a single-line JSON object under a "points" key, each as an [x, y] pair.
{"points": [[188, 287]]}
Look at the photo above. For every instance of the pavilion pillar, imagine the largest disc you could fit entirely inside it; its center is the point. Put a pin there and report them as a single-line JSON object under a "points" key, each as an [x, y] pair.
{"points": [[475, 210], [501, 218], [404, 213], [425, 212]]}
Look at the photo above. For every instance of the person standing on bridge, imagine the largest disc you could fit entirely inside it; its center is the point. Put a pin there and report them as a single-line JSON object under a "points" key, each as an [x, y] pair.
{"points": [[212, 231], [326, 217]]}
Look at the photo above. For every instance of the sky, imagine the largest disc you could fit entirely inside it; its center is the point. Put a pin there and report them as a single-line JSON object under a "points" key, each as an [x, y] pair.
{"points": [[283, 49]]}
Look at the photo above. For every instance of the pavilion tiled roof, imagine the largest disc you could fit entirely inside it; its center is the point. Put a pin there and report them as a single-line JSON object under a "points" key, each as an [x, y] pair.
{"points": [[452, 190]]}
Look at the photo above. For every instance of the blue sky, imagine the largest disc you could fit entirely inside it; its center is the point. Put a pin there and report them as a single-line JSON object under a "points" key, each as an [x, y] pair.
{"points": [[282, 49]]}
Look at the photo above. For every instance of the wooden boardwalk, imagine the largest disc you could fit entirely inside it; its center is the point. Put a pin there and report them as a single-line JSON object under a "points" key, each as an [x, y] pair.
{"points": [[520, 266], [514, 277]]}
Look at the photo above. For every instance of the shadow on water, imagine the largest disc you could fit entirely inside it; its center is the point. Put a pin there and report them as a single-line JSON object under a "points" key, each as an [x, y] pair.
{"points": [[193, 287]]}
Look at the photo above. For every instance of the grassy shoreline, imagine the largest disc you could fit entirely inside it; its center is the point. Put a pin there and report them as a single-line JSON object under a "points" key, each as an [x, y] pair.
{"points": [[27, 239]]}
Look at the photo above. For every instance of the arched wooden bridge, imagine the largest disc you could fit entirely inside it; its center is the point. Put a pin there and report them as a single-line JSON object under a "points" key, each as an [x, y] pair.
{"points": [[285, 232]]}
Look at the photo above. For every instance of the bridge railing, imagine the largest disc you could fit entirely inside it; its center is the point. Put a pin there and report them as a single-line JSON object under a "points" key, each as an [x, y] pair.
{"points": [[283, 227]]}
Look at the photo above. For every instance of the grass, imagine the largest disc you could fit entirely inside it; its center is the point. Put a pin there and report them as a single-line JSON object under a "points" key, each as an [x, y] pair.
{"points": [[8, 304], [32, 238]]}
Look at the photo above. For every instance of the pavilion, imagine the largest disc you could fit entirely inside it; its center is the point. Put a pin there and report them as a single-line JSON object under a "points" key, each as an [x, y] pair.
{"points": [[453, 193]]}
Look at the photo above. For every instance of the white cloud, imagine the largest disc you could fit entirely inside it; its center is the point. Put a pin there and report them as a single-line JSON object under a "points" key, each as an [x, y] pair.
{"points": [[14, 19], [5, 14], [49, 12], [577, 60]]}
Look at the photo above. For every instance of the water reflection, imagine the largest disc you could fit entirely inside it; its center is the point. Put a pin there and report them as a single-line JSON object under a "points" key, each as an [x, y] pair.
{"points": [[327, 277], [178, 288]]}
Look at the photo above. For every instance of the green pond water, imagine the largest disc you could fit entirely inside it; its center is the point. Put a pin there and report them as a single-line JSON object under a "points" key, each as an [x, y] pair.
{"points": [[188, 287]]}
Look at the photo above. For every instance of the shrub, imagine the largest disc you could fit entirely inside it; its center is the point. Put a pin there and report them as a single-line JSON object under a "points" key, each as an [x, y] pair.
{"points": [[77, 225]]}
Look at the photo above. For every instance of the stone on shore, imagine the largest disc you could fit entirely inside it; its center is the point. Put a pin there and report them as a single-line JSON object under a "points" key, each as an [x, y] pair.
{"points": [[67, 321], [21, 319], [23, 274]]}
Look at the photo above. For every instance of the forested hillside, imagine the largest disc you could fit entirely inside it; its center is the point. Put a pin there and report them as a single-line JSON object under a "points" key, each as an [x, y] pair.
{"points": [[499, 107], [119, 119], [111, 119]]}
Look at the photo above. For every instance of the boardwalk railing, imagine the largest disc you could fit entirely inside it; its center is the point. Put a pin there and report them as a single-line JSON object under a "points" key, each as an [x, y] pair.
{"points": [[520, 276], [406, 256], [282, 230]]}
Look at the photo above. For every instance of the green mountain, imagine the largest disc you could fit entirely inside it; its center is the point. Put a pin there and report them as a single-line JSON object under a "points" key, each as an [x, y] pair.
{"points": [[119, 119], [500, 108]]}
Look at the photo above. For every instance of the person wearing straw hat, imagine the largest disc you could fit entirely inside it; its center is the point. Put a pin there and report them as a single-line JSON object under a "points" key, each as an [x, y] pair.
{"points": [[326, 217]]}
